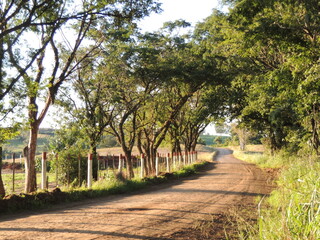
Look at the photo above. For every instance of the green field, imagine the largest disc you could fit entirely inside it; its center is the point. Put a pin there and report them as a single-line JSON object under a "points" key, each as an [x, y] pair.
{"points": [[16, 145], [211, 139]]}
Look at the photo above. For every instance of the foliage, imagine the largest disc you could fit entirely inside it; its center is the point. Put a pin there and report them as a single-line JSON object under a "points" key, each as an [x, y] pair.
{"points": [[68, 146], [269, 52], [108, 141]]}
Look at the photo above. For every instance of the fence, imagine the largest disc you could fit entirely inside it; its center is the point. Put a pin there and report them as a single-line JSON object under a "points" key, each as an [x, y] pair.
{"points": [[163, 163]]}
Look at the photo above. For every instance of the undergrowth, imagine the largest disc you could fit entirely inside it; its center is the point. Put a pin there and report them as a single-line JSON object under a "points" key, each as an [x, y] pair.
{"points": [[293, 210], [104, 187]]}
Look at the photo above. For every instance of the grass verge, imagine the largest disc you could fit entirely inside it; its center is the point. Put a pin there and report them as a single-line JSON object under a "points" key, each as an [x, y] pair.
{"points": [[43, 199], [293, 210]]}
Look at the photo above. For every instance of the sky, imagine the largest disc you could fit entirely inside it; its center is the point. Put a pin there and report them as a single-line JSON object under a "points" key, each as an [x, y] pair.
{"points": [[192, 11]]}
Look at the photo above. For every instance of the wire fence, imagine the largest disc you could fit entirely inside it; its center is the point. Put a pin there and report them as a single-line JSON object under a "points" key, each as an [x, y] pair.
{"points": [[13, 172]]}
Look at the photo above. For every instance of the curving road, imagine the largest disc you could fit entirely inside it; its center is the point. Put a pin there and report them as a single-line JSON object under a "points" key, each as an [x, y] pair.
{"points": [[148, 215]]}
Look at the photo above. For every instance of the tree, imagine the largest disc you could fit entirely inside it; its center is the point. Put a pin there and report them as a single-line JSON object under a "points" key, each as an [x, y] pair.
{"points": [[93, 111], [17, 19], [266, 54], [281, 38], [45, 81], [69, 147], [182, 72], [193, 118], [242, 133], [97, 84]]}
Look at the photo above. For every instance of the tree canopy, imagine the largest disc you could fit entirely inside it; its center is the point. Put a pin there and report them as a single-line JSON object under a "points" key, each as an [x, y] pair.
{"points": [[257, 64]]}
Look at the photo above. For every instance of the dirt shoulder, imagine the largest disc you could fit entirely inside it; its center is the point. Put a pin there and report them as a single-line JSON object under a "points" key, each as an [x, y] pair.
{"points": [[171, 211]]}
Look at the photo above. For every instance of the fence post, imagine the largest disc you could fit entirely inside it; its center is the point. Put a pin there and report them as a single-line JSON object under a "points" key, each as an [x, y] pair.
{"points": [[79, 169], [142, 166], [98, 160], [89, 178], [57, 158], [157, 164], [43, 170], [13, 169], [120, 166], [168, 162]]}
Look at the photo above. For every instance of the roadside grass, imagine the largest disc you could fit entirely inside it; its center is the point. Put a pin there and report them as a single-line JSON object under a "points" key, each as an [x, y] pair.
{"points": [[292, 211], [19, 181], [104, 187], [207, 156]]}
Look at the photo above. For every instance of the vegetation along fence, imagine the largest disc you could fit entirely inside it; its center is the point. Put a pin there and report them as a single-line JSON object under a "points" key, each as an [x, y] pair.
{"points": [[107, 165]]}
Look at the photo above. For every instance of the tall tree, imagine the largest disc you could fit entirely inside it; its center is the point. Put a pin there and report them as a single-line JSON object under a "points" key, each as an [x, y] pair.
{"points": [[182, 72], [45, 81]]}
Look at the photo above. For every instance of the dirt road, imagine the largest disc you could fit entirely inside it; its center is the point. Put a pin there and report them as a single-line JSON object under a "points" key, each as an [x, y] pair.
{"points": [[148, 215]]}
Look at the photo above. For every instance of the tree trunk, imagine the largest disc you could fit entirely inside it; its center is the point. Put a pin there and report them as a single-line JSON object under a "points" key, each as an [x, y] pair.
{"points": [[153, 154], [95, 161], [147, 153], [194, 143], [30, 154], [130, 172], [2, 190]]}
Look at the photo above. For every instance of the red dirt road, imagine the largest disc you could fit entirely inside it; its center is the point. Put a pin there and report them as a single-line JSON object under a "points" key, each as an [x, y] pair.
{"points": [[155, 214]]}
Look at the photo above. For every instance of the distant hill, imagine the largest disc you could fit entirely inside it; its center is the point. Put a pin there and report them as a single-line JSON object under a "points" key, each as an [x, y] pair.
{"points": [[16, 145]]}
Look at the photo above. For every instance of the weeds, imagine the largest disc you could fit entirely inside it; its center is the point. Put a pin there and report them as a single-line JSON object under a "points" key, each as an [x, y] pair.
{"points": [[293, 210]]}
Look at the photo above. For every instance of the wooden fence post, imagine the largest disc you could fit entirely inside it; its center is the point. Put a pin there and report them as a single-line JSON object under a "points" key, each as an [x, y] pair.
{"points": [[43, 170], [79, 169], [89, 178], [57, 176], [98, 160], [13, 169], [168, 162]]}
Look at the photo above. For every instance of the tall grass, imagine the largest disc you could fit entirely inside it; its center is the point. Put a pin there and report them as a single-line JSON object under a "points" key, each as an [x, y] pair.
{"points": [[293, 209]]}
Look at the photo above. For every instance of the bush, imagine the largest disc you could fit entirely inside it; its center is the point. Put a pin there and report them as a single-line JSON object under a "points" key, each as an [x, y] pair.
{"points": [[67, 165]]}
